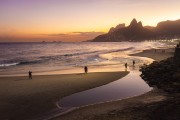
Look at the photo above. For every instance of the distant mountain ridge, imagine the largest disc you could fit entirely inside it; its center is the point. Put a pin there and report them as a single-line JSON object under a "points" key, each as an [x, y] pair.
{"points": [[137, 32], [117, 27]]}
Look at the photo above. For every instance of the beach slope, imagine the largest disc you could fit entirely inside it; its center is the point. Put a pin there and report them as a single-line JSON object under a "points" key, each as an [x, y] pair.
{"points": [[22, 98]]}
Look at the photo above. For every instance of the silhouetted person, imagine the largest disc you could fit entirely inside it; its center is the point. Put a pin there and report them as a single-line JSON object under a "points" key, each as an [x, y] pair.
{"points": [[86, 69], [30, 75], [133, 63], [125, 66], [177, 46]]}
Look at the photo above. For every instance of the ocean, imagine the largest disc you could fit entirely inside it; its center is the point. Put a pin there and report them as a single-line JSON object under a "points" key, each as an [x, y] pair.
{"points": [[65, 58]]}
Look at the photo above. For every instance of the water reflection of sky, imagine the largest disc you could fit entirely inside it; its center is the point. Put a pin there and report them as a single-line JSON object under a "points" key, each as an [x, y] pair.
{"points": [[130, 85]]}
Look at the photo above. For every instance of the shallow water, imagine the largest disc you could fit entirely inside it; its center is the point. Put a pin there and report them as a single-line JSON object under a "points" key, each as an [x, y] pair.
{"points": [[130, 85]]}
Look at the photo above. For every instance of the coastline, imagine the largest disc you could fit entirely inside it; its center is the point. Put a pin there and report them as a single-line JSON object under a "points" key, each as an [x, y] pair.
{"points": [[112, 110]]}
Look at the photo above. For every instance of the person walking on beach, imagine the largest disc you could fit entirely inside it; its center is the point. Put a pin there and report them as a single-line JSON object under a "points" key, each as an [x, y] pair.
{"points": [[86, 69], [30, 75], [125, 66], [178, 45], [133, 63]]}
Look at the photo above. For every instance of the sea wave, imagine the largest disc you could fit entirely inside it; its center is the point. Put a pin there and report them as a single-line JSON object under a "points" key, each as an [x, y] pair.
{"points": [[119, 50], [18, 63], [8, 64], [29, 62], [67, 55], [84, 53], [64, 58]]}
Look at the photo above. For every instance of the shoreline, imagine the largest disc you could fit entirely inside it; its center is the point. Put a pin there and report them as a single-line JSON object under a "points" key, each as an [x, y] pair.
{"points": [[157, 93], [77, 70], [73, 69]]}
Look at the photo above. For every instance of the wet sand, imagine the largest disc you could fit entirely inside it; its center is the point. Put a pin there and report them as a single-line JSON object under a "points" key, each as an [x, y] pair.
{"points": [[22, 98]]}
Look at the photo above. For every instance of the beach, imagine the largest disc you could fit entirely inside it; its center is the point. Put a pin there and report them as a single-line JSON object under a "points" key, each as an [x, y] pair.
{"points": [[132, 108], [89, 60], [22, 98], [32, 98]]}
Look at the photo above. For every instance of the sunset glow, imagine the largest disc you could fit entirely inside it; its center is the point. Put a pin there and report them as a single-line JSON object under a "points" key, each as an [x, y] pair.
{"points": [[77, 20]]}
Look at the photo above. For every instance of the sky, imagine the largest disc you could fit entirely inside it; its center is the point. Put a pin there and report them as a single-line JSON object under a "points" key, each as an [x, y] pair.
{"points": [[77, 20]]}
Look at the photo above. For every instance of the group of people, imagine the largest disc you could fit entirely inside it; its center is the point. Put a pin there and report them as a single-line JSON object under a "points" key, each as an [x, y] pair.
{"points": [[30, 72], [126, 65], [85, 69]]}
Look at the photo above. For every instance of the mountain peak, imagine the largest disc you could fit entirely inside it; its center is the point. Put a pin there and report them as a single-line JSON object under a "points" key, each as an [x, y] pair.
{"points": [[140, 24], [133, 22]]}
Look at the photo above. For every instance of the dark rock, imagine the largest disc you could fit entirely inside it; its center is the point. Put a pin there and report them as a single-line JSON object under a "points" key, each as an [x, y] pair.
{"points": [[177, 55], [162, 74]]}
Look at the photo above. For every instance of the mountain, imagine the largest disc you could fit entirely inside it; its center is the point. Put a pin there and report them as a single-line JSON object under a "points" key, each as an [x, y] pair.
{"points": [[150, 28], [169, 28], [136, 32]]}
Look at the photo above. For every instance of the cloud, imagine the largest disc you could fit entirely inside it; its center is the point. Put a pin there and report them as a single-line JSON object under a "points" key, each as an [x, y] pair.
{"points": [[59, 34], [66, 37], [83, 34], [75, 36], [89, 33]]}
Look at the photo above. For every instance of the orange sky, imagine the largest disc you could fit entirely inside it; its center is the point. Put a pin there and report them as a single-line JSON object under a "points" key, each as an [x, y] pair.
{"points": [[76, 20]]}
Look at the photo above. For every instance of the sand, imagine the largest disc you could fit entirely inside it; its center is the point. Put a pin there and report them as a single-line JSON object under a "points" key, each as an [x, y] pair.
{"points": [[21, 98], [127, 109], [156, 54]]}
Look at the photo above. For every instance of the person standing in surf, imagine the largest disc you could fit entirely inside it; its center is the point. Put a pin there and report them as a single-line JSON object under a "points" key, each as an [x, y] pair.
{"points": [[133, 63], [125, 66], [86, 69], [30, 75]]}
